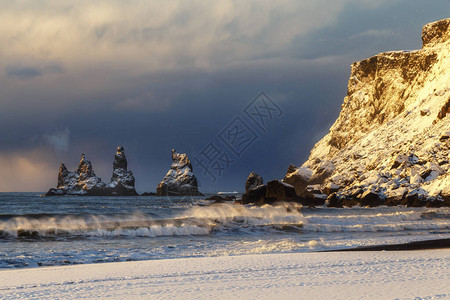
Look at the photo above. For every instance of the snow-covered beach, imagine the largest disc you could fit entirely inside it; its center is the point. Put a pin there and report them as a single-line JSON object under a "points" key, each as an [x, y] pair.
{"points": [[419, 274]]}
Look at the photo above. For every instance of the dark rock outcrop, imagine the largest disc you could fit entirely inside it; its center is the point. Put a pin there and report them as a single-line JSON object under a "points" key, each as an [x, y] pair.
{"points": [[84, 182], [180, 180], [434, 203], [370, 198], [255, 196], [334, 201], [415, 199], [274, 191], [253, 181], [313, 195], [280, 191], [367, 198], [339, 201]]}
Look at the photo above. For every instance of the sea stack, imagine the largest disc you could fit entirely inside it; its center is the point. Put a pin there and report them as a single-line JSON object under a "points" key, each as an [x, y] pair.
{"points": [[84, 182], [390, 144], [180, 180], [122, 181]]}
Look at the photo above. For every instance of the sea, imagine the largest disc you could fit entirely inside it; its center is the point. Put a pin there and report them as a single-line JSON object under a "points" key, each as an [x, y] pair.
{"points": [[40, 231]]}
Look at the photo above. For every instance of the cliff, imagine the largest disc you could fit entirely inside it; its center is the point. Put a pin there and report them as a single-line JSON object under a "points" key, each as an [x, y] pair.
{"points": [[391, 139]]}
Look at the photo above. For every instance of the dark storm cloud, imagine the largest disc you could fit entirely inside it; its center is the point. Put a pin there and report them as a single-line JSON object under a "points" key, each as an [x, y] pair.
{"points": [[175, 75], [202, 105]]}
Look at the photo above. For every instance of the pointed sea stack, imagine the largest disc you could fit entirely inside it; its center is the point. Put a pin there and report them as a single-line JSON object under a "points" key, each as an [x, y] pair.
{"points": [[122, 180], [82, 182], [180, 180]]}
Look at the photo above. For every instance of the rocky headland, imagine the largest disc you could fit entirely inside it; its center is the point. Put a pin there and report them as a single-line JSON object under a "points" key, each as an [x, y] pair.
{"points": [[391, 142]]}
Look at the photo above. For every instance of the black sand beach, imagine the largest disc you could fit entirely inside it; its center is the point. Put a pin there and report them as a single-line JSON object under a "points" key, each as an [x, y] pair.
{"points": [[419, 245]]}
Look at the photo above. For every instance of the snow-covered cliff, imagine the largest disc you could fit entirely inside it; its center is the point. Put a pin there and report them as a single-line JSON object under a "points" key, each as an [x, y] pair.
{"points": [[390, 143]]}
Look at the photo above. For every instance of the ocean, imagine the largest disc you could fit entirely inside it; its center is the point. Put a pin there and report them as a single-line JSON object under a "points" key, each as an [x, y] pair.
{"points": [[47, 231]]}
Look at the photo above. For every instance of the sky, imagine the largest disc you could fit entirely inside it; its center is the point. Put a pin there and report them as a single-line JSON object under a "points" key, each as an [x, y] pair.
{"points": [[239, 86]]}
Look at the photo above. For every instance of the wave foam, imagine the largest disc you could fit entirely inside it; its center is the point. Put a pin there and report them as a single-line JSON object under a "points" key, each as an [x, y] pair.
{"points": [[193, 221]]}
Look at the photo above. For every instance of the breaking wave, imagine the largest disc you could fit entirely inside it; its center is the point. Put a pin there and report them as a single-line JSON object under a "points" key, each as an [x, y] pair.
{"points": [[217, 219], [194, 221]]}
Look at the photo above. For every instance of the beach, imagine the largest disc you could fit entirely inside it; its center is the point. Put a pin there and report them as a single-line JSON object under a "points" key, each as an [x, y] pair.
{"points": [[420, 274]]}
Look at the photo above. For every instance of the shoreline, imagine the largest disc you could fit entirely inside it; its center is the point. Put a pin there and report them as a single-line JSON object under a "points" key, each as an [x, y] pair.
{"points": [[410, 246]]}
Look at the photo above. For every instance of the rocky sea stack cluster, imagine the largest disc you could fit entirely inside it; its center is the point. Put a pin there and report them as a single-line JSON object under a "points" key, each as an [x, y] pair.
{"points": [[180, 180], [391, 142], [84, 182]]}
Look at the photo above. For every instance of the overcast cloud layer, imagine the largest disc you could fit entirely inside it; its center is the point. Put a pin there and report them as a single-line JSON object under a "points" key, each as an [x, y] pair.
{"points": [[84, 77]]}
